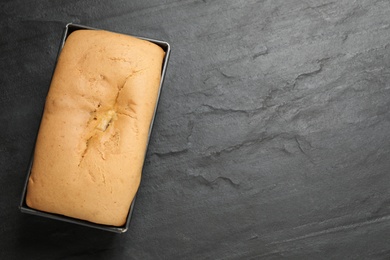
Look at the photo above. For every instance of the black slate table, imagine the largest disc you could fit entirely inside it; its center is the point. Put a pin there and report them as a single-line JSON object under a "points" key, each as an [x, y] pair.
{"points": [[272, 138]]}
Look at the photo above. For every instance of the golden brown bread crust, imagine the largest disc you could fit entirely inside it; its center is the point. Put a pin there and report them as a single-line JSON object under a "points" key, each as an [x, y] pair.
{"points": [[93, 135]]}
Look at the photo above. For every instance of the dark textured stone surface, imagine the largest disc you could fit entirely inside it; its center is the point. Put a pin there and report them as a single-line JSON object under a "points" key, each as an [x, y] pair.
{"points": [[271, 140]]}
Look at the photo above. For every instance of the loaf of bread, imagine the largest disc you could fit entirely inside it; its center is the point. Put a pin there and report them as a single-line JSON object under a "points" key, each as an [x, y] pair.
{"points": [[93, 135]]}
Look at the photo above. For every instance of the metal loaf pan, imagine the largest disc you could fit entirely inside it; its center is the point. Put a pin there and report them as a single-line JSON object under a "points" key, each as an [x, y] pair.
{"points": [[69, 28]]}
